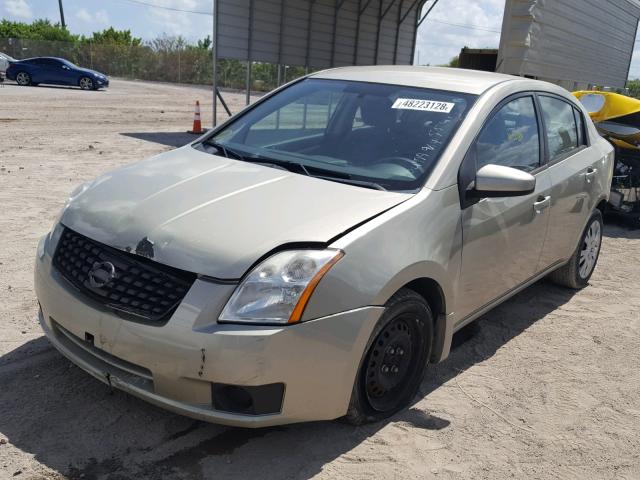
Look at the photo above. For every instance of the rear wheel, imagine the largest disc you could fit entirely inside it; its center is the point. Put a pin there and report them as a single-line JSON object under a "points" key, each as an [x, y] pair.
{"points": [[86, 83], [577, 272], [23, 79], [395, 360]]}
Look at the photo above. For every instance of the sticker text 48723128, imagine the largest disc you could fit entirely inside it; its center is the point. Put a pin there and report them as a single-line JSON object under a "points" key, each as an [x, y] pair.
{"points": [[424, 105]]}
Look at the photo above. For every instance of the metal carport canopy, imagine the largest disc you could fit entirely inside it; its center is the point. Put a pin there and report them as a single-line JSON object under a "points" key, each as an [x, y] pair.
{"points": [[318, 33]]}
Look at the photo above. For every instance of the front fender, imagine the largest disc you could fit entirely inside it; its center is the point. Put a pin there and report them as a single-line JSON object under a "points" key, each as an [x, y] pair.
{"points": [[420, 238]]}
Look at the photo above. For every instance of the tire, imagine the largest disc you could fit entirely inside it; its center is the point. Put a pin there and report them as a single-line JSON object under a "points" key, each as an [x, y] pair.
{"points": [[395, 360], [23, 79], [86, 83], [578, 270]]}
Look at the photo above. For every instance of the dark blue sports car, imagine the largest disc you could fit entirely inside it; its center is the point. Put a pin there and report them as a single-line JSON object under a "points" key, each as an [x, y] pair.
{"points": [[56, 71]]}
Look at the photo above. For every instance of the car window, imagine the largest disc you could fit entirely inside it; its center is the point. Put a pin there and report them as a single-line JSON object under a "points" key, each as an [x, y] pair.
{"points": [[582, 135], [307, 115], [510, 138], [560, 126], [389, 135]]}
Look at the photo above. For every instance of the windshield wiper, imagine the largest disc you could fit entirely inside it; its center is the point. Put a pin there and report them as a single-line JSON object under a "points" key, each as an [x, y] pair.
{"points": [[341, 179], [352, 181], [225, 150], [287, 165]]}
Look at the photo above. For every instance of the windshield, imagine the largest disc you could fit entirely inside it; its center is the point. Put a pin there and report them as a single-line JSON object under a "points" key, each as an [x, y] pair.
{"points": [[372, 135]]}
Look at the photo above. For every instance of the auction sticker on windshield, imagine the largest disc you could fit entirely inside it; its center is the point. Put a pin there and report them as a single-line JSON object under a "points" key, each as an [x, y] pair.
{"points": [[424, 105]]}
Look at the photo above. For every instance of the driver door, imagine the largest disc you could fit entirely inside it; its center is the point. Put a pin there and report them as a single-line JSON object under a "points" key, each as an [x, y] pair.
{"points": [[503, 237], [64, 75]]}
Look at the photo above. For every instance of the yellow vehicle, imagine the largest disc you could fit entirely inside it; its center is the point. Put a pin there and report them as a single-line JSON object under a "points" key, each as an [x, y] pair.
{"points": [[617, 118]]}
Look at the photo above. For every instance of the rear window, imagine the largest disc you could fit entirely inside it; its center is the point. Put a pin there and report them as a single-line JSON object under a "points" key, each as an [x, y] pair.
{"points": [[560, 126]]}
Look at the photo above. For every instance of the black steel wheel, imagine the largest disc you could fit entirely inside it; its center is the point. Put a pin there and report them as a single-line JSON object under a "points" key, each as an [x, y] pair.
{"points": [[395, 360]]}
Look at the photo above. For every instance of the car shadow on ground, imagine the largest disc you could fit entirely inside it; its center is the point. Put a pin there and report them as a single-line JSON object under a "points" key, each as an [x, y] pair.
{"points": [[171, 139], [77, 426], [620, 228], [9, 83]]}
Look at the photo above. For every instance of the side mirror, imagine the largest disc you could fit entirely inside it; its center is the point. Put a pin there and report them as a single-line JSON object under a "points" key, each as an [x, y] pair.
{"points": [[500, 181]]}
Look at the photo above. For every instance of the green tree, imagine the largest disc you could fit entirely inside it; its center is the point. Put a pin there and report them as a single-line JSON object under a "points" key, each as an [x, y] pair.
{"points": [[634, 88], [111, 36], [205, 43], [37, 30]]}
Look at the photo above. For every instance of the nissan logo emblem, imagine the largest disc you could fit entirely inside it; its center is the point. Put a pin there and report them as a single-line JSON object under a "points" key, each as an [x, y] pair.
{"points": [[101, 274]]}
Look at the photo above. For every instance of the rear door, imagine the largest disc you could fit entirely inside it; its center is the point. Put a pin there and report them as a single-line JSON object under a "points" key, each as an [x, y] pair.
{"points": [[503, 237], [573, 166]]}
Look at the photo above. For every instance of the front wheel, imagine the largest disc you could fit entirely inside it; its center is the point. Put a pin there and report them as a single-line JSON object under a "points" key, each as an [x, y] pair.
{"points": [[394, 363], [577, 272], [23, 79], [86, 83]]}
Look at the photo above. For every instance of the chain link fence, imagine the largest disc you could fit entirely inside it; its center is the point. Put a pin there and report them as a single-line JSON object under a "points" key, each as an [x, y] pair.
{"points": [[162, 60]]}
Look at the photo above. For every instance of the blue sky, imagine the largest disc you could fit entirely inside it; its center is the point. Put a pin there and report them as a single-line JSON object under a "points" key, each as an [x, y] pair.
{"points": [[440, 37]]}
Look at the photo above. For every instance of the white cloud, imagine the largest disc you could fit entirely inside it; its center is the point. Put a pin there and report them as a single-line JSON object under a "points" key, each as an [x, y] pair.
{"points": [[18, 8], [174, 22], [83, 15], [438, 42], [100, 17], [180, 23]]}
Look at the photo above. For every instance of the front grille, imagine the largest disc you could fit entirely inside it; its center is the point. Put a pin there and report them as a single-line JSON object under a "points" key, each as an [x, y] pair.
{"points": [[138, 288]]}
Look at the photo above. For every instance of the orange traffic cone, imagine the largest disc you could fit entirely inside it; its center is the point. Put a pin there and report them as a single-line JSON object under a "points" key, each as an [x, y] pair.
{"points": [[197, 124]]}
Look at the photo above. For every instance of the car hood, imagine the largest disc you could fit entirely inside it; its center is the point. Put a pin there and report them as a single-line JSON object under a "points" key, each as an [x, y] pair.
{"points": [[215, 216]]}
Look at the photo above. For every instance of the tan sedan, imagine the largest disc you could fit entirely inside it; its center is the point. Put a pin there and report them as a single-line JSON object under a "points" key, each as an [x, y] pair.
{"points": [[307, 259]]}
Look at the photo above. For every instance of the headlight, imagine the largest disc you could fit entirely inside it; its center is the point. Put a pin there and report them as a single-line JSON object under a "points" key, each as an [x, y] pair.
{"points": [[53, 238], [278, 289], [57, 228]]}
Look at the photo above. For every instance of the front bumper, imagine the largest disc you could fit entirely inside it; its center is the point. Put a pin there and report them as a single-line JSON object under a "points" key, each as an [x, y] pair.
{"points": [[174, 366]]}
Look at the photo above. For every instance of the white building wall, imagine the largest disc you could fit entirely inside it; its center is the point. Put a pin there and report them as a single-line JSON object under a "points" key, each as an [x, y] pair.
{"points": [[573, 43]]}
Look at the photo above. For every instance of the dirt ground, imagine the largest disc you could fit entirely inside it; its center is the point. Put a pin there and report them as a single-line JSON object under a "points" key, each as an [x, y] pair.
{"points": [[545, 386]]}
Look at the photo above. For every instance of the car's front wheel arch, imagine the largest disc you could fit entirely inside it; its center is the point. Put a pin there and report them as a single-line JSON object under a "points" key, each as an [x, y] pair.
{"points": [[394, 360], [433, 294], [429, 280]]}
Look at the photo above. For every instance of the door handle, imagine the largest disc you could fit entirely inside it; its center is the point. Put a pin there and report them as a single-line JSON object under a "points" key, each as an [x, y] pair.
{"points": [[542, 203], [590, 173]]}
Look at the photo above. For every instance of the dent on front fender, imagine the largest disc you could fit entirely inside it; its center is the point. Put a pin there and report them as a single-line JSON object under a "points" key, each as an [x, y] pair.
{"points": [[422, 238]]}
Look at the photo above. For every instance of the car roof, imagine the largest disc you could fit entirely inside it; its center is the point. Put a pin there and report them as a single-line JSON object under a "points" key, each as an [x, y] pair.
{"points": [[438, 78], [43, 58]]}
